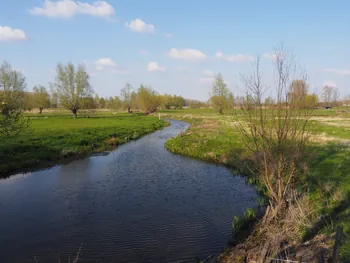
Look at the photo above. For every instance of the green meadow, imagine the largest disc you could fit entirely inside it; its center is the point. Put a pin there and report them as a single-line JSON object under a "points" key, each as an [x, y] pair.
{"points": [[56, 137], [215, 138]]}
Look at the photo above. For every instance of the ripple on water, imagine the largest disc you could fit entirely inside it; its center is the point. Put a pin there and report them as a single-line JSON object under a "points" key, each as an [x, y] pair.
{"points": [[140, 203]]}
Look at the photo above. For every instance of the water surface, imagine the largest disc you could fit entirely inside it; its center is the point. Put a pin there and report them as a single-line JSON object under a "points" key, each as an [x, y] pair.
{"points": [[139, 204]]}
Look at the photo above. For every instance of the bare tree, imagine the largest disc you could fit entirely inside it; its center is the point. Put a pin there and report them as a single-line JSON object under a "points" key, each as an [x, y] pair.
{"points": [[12, 86], [275, 137], [298, 93], [346, 100], [330, 95], [72, 86], [335, 96], [125, 95]]}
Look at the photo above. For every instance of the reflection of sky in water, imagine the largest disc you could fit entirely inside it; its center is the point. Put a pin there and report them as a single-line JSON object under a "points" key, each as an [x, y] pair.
{"points": [[139, 203]]}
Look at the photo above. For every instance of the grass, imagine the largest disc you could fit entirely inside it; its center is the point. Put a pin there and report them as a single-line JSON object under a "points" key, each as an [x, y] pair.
{"points": [[213, 137], [53, 138]]}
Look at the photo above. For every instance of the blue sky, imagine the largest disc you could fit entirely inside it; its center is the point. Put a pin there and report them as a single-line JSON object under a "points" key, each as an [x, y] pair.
{"points": [[175, 46]]}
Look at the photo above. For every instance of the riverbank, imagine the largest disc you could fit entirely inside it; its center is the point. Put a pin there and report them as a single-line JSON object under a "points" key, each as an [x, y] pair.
{"points": [[54, 139], [140, 203], [213, 137]]}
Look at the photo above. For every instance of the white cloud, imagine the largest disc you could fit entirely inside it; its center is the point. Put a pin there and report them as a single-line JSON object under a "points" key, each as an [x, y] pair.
{"points": [[187, 54], [234, 58], [273, 56], [69, 8], [208, 73], [330, 83], [9, 34], [144, 52], [206, 79], [338, 71], [168, 35], [140, 26], [270, 56], [153, 66], [104, 62]]}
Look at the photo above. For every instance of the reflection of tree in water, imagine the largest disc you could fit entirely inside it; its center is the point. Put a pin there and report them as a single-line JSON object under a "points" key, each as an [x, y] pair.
{"points": [[73, 177]]}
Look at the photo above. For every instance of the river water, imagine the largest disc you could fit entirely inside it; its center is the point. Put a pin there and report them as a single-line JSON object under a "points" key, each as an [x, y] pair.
{"points": [[140, 203]]}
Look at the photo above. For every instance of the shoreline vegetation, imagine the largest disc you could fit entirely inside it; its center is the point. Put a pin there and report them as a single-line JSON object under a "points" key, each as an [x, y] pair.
{"points": [[57, 138], [212, 137], [296, 156]]}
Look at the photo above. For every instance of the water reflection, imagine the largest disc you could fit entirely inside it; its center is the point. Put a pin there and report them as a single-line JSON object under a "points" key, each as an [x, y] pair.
{"points": [[138, 204]]}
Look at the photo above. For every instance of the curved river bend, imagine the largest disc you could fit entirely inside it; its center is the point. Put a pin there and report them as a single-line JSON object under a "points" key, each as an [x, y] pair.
{"points": [[138, 204]]}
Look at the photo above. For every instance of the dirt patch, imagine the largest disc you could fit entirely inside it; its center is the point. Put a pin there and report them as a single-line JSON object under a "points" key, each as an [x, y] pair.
{"points": [[309, 251], [324, 119], [324, 138], [345, 123], [209, 125]]}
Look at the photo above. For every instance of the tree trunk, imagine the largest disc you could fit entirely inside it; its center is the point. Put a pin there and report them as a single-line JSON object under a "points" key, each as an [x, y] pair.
{"points": [[74, 111], [41, 110], [129, 109], [220, 110]]}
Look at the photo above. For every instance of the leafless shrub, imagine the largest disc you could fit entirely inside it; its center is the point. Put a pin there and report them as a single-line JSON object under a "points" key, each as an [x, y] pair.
{"points": [[276, 137]]}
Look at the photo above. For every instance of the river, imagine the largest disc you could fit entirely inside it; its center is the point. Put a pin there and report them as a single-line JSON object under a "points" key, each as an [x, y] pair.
{"points": [[140, 203]]}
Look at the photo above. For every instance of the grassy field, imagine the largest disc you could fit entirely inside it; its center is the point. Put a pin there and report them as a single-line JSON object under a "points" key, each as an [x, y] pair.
{"points": [[56, 137], [213, 137]]}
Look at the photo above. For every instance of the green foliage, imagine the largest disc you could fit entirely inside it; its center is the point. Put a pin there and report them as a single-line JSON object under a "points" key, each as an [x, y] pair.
{"points": [[169, 101], [220, 95], [148, 100], [41, 98], [311, 101], [237, 222], [326, 178], [12, 86], [195, 104], [102, 103], [249, 214], [72, 85], [54, 138]]}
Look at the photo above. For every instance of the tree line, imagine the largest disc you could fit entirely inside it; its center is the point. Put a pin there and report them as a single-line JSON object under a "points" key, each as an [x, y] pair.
{"points": [[71, 89], [298, 96]]}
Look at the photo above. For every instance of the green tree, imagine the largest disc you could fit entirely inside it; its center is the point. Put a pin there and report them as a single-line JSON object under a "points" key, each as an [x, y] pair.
{"points": [[166, 101], [28, 101], [148, 99], [102, 103], [117, 103], [220, 93], [311, 101], [177, 102], [231, 100], [97, 100], [72, 85], [195, 104], [12, 86], [41, 98]]}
